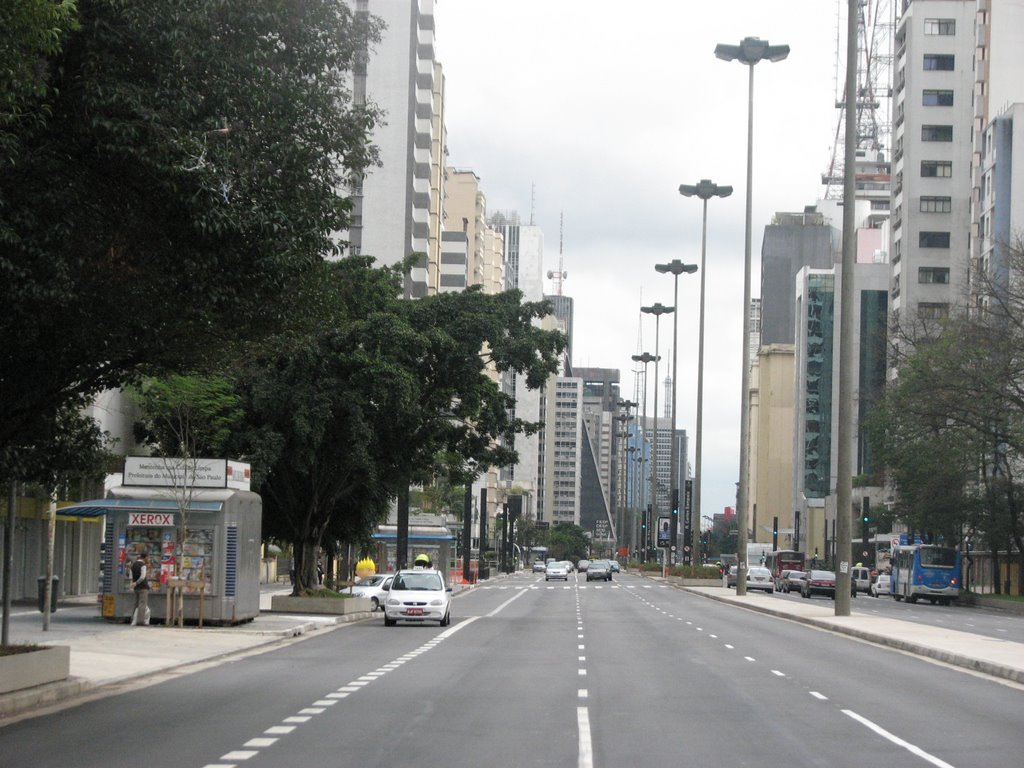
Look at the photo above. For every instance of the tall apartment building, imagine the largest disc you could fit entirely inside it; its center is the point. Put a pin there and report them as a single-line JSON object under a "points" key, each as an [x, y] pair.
{"points": [[471, 252], [931, 211], [397, 202], [561, 455]]}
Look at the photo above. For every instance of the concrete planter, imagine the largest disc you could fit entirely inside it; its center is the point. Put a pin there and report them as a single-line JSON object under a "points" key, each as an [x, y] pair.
{"points": [[39, 667], [334, 606]]}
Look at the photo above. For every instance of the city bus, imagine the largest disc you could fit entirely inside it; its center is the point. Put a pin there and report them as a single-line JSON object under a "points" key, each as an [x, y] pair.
{"points": [[925, 570], [784, 560]]}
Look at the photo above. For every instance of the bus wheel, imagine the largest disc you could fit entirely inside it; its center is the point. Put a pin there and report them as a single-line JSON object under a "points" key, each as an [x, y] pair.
{"points": [[896, 597], [911, 598]]}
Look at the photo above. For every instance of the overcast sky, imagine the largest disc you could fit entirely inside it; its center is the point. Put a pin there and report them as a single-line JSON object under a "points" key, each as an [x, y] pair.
{"points": [[597, 110]]}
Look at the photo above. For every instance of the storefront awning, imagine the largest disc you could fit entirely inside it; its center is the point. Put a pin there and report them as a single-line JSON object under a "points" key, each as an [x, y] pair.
{"points": [[100, 507]]}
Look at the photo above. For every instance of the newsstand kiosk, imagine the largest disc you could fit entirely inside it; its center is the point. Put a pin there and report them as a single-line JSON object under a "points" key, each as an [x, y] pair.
{"points": [[217, 566]]}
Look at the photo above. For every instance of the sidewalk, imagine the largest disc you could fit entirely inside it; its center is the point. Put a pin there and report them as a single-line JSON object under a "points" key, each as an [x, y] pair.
{"points": [[106, 654], [988, 655]]}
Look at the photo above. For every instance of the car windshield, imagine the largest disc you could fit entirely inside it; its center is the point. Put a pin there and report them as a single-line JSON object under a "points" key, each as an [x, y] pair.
{"points": [[418, 582], [370, 581]]}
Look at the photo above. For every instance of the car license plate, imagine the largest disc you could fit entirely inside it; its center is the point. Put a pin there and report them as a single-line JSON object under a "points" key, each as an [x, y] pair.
{"points": [[414, 612]]}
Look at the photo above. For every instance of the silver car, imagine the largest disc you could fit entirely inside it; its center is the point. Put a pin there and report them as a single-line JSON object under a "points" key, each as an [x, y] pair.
{"points": [[374, 587], [556, 570]]}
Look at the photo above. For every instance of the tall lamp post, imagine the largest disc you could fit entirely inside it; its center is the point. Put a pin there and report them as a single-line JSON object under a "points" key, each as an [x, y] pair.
{"points": [[705, 189], [644, 359], [657, 310], [675, 268], [750, 51]]}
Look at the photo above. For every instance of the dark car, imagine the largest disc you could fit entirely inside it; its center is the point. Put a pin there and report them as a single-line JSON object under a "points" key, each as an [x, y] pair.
{"points": [[599, 569], [819, 583]]}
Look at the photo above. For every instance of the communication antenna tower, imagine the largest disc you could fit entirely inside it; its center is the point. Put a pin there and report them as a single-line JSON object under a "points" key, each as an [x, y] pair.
{"points": [[876, 24], [561, 274]]}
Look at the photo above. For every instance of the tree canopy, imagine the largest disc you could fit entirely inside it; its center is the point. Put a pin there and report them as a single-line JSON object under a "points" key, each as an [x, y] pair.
{"points": [[177, 184]]}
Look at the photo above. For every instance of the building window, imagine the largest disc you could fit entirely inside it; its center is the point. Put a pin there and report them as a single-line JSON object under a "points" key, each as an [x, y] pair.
{"points": [[936, 133], [927, 310], [933, 98], [939, 62], [936, 204], [933, 275], [940, 26], [933, 239], [936, 169]]}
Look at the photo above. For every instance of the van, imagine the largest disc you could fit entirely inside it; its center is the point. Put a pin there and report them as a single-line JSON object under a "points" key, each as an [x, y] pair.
{"points": [[860, 578]]}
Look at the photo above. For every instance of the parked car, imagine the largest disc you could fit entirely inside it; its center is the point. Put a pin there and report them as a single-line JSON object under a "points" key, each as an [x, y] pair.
{"points": [[374, 587], [729, 579], [539, 567], [417, 596], [794, 581], [599, 569], [861, 578], [556, 570], [882, 586], [759, 577]]}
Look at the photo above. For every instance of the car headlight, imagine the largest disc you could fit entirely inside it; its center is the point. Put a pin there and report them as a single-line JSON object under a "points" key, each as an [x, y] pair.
{"points": [[438, 601], [393, 602]]}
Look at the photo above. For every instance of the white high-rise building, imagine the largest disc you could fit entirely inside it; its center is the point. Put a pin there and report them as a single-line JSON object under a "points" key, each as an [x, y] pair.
{"points": [[933, 111]]}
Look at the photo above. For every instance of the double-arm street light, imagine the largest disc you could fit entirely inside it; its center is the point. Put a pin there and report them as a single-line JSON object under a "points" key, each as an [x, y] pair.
{"points": [[750, 51], [657, 310], [705, 189], [675, 268], [644, 359]]}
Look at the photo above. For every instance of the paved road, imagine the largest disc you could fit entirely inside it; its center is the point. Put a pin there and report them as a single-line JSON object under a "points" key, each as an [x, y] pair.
{"points": [[535, 674]]}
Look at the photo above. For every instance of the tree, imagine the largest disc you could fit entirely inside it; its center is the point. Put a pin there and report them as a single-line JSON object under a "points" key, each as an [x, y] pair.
{"points": [[951, 427], [174, 192], [567, 541], [342, 418]]}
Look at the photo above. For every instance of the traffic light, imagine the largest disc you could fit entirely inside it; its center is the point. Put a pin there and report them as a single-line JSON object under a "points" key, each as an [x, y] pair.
{"points": [[865, 521], [775, 533]]}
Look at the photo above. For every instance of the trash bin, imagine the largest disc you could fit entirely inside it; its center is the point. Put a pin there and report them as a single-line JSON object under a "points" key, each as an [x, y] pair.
{"points": [[54, 591]]}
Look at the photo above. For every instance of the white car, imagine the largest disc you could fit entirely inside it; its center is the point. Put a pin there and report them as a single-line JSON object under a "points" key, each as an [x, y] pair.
{"points": [[882, 585], [374, 587], [759, 577], [418, 595], [556, 570]]}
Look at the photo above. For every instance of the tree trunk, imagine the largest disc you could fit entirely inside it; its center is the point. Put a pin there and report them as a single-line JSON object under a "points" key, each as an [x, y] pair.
{"points": [[305, 566]]}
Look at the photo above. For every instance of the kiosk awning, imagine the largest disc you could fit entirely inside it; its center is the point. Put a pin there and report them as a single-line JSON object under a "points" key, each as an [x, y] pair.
{"points": [[100, 507]]}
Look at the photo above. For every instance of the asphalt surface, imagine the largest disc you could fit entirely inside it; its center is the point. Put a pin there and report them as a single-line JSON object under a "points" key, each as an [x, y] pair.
{"points": [[106, 657]]}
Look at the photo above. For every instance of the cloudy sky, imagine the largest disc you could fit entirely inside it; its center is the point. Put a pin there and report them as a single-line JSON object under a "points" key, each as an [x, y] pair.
{"points": [[596, 111]]}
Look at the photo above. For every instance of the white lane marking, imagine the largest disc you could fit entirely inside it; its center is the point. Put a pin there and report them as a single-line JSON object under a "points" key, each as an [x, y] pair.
{"points": [[500, 608], [778, 674], [750, 658], [582, 693], [730, 647], [312, 711], [280, 729], [915, 750], [581, 647], [259, 742], [295, 719], [325, 702], [714, 637], [583, 673], [586, 754], [338, 695], [820, 696], [582, 658], [240, 754]]}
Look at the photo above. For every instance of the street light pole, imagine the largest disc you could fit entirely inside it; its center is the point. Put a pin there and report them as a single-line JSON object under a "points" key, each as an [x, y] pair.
{"points": [[644, 359], [675, 268], [705, 189], [657, 310], [750, 51]]}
